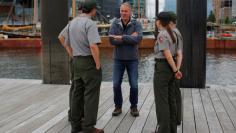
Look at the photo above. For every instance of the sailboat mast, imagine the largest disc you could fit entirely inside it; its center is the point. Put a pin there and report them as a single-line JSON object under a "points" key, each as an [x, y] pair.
{"points": [[73, 8], [139, 9], [35, 11], [11, 10]]}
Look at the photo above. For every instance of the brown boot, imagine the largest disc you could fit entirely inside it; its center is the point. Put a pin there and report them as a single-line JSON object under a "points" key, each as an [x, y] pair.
{"points": [[117, 111], [96, 130], [134, 112]]}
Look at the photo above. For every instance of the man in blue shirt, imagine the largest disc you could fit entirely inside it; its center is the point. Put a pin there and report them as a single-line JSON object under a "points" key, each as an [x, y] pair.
{"points": [[125, 34]]}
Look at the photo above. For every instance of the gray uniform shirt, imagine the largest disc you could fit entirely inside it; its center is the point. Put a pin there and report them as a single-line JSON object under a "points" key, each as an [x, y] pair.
{"points": [[179, 38], [64, 33], [163, 42], [80, 33]]}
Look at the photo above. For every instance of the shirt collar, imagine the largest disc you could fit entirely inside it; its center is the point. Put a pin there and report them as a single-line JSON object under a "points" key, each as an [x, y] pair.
{"points": [[84, 15], [120, 22]]}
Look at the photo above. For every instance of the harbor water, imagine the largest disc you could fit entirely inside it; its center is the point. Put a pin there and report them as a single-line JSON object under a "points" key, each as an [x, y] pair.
{"points": [[26, 64]]}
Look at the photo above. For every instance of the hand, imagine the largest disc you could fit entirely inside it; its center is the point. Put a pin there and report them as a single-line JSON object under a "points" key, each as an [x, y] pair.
{"points": [[98, 66], [134, 34], [116, 37], [178, 75], [71, 56], [112, 36]]}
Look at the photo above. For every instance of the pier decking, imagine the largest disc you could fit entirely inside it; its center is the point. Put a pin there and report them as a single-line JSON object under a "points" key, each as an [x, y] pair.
{"points": [[29, 106]]}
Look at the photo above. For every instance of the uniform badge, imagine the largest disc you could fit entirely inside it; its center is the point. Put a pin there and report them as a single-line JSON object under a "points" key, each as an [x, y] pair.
{"points": [[161, 39]]}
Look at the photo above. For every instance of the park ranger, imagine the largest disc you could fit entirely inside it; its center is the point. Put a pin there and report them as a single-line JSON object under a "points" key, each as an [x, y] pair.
{"points": [[165, 73], [62, 37], [179, 57], [82, 41]]}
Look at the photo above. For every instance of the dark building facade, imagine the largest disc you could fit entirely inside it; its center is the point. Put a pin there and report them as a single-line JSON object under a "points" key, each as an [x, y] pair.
{"points": [[226, 9], [138, 7], [109, 8]]}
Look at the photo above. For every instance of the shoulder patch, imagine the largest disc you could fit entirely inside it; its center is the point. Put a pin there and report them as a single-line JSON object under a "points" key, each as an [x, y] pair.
{"points": [[161, 38]]}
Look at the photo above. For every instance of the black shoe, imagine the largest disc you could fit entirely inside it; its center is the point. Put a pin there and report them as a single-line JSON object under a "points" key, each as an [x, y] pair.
{"points": [[134, 112], [117, 111], [69, 115], [76, 128], [178, 123], [96, 130]]}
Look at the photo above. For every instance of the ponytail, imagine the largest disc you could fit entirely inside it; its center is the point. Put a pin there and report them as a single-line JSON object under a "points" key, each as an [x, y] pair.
{"points": [[169, 30]]}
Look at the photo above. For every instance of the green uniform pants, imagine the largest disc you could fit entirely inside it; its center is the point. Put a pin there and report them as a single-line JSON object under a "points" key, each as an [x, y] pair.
{"points": [[85, 97], [71, 66], [164, 92], [178, 102]]}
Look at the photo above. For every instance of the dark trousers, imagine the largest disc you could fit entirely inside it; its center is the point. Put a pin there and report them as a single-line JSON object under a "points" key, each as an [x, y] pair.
{"points": [[71, 87], [118, 71], [165, 100], [178, 102], [71, 66], [85, 97]]}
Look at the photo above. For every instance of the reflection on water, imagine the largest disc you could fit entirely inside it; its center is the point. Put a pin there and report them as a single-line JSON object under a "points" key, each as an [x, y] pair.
{"points": [[26, 63], [145, 68], [20, 63], [221, 67]]}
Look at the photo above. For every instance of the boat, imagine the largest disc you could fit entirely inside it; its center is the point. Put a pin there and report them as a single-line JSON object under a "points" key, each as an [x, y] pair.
{"points": [[14, 26], [20, 34]]}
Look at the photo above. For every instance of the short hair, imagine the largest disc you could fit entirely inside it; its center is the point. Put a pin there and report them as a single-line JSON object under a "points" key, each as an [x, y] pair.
{"points": [[87, 5], [126, 4]]}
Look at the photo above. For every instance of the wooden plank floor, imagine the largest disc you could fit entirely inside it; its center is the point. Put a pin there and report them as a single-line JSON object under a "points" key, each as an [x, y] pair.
{"points": [[28, 106]]}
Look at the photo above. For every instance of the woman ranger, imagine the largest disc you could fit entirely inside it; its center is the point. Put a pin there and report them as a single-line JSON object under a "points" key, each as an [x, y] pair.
{"points": [[165, 74]]}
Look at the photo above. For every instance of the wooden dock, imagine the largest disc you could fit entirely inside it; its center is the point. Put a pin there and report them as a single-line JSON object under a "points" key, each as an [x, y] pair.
{"points": [[28, 106]]}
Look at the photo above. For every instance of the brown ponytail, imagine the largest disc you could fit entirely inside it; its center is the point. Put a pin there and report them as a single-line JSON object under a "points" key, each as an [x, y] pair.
{"points": [[169, 30]]}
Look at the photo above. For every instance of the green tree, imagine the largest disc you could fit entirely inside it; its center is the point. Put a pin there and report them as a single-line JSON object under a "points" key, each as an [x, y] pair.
{"points": [[227, 21], [211, 17]]}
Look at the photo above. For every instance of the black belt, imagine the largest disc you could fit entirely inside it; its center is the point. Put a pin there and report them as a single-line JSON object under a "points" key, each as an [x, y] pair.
{"points": [[163, 59], [88, 56], [160, 60]]}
